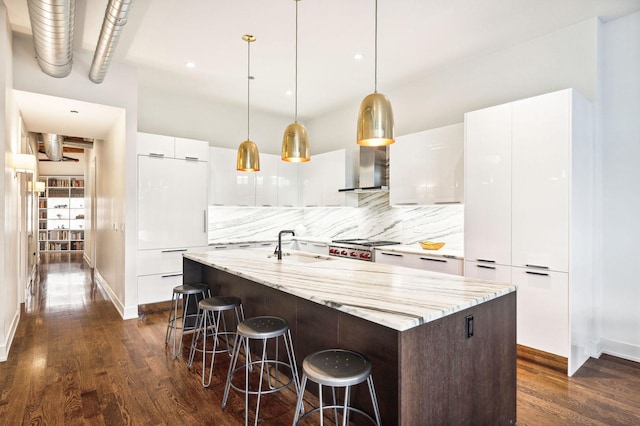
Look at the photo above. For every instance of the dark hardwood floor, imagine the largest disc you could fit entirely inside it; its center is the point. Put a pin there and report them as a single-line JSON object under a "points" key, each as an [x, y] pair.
{"points": [[74, 361]]}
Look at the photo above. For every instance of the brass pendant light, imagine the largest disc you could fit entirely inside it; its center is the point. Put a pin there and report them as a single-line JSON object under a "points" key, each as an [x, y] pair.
{"points": [[248, 154], [295, 143], [375, 119]]}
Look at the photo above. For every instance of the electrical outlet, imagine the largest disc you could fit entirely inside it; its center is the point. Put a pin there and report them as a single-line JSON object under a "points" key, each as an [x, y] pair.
{"points": [[469, 326]]}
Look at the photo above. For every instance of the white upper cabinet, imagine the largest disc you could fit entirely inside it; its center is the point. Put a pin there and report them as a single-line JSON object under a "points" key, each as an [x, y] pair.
{"points": [[540, 175], [288, 184], [228, 186], [322, 177], [267, 181], [156, 145], [190, 149], [427, 168], [487, 218]]}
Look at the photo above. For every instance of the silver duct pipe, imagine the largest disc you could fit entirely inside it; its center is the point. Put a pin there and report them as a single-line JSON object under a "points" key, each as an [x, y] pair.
{"points": [[52, 27], [115, 18], [53, 146]]}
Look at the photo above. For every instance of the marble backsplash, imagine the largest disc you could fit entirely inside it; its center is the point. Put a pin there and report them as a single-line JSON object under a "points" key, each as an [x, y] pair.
{"points": [[373, 218]]}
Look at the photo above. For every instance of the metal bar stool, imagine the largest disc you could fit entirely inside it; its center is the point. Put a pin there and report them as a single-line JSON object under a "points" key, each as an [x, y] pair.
{"points": [[185, 320], [336, 368], [210, 314], [261, 328]]}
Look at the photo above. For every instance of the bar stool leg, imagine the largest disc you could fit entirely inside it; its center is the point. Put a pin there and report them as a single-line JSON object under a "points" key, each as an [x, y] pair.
{"points": [[196, 337], [345, 410], [374, 399]]}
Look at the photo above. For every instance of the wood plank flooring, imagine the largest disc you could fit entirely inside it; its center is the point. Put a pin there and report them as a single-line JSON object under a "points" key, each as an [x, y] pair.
{"points": [[75, 362]]}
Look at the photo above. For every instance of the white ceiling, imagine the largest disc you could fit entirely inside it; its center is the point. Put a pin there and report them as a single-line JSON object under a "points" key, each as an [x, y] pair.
{"points": [[414, 36]]}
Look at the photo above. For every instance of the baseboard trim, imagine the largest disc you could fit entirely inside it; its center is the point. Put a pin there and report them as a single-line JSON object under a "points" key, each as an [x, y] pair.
{"points": [[618, 349], [5, 347], [126, 312], [555, 362]]}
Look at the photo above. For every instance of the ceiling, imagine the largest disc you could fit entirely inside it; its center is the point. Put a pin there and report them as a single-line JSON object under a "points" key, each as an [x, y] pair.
{"points": [[414, 37]]}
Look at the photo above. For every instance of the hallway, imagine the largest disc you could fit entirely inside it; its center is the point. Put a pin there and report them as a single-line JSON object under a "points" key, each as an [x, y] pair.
{"points": [[75, 361]]}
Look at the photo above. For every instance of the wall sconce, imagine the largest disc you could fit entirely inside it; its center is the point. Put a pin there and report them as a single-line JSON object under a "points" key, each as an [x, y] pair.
{"points": [[24, 163], [37, 186]]}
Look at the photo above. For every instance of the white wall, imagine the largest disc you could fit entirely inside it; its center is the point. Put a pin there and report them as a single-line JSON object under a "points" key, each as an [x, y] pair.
{"points": [[222, 125], [116, 197], [559, 60], [9, 187], [619, 197]]}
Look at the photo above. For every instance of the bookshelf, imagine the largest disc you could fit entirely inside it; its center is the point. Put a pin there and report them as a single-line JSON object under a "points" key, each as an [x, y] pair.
{"points": [[61, 214]]}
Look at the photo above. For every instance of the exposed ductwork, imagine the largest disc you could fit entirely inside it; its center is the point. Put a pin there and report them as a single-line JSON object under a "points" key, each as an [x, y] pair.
{"points": [[114, 20], [53, 146], [52, 27]]}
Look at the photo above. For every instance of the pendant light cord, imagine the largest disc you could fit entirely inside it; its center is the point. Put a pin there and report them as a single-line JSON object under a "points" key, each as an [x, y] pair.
{"points": [[248, 83], [375, 60], [295, 116]]}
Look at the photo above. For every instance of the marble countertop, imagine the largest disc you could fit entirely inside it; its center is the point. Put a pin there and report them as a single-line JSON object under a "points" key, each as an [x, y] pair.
{"points": [[395, 297], [416, 249]]}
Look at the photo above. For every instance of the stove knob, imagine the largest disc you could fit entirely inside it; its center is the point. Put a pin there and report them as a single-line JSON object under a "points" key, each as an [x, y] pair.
{"points": [[333, 251], [352, 254], [367, 255], [363, 255], [343, 252]]}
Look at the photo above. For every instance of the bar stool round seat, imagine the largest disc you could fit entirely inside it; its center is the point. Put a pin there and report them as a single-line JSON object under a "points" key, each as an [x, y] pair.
{"points": [[337, 368], [182, 319], [210, 316], [262, 328]]}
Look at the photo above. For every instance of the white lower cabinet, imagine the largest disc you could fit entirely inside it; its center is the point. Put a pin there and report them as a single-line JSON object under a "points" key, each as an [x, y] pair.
{"points": [[311, 247], [445, 265], [543, 310], [391, 258], [485, 271], [158, 272]]}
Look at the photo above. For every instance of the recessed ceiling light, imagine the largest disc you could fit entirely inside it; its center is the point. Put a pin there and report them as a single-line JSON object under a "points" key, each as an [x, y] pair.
{"points": [[289, 92], [189, 64], [358, 56]]}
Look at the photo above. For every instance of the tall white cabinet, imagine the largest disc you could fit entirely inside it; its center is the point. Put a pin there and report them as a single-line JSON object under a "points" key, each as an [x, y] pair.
{"points": [[172, 210], [529, 214]]}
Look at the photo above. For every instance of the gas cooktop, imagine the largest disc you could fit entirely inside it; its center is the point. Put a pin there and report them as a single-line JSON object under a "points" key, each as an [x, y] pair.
{"points": [[365, 242]]}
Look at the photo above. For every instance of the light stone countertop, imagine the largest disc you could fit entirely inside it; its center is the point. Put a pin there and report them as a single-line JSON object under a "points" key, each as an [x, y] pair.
{"points": [[395, 297]]}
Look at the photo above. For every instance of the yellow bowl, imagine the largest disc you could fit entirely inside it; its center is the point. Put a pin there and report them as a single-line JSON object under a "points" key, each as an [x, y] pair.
{"points": [[430, 245]]}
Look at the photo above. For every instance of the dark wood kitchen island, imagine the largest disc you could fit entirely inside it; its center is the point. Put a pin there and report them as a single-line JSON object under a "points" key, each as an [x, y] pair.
{"points": [[442, 347]]}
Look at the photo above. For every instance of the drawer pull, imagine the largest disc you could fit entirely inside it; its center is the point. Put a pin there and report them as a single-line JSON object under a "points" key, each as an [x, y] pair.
{"points": [[156, 154], [486, 267], [191, 158], [537, 273], [319, 245], [536, 266], [244, 245], [447, 202], [219, 247], [173, 250], [171, 275], [391, 254], [486, 260], [433, 260]]}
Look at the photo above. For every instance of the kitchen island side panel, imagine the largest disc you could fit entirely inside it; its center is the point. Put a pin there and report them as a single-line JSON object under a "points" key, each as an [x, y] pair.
{"points": [[447, 378]]}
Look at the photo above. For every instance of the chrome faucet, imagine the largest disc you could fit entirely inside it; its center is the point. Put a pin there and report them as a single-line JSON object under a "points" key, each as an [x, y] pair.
{"points": [[279, 246]]}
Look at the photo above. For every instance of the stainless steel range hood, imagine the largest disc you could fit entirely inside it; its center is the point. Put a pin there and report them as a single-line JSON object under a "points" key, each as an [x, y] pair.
{"points": [[374, 170]]}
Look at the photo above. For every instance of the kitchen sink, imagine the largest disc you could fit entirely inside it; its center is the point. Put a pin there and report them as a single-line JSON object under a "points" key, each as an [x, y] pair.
{"points": [[301, 258]]}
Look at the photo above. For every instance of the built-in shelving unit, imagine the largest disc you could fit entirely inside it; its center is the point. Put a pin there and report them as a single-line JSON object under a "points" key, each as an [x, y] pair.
{"points": [[61, 214]]}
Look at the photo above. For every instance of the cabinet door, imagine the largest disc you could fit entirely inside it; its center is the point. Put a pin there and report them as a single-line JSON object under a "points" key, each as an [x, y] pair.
{"points": [[444, 165], [483, 271], [314, 248], [311, 177], [229, 187], [540, 197], [392, 258], [407, 170], [267, 180], [157, 288], [332, 176], [190, 149], [288, 184], [543, 310], [155, 145], [487, 209], [437, 264], [172, 203]]}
